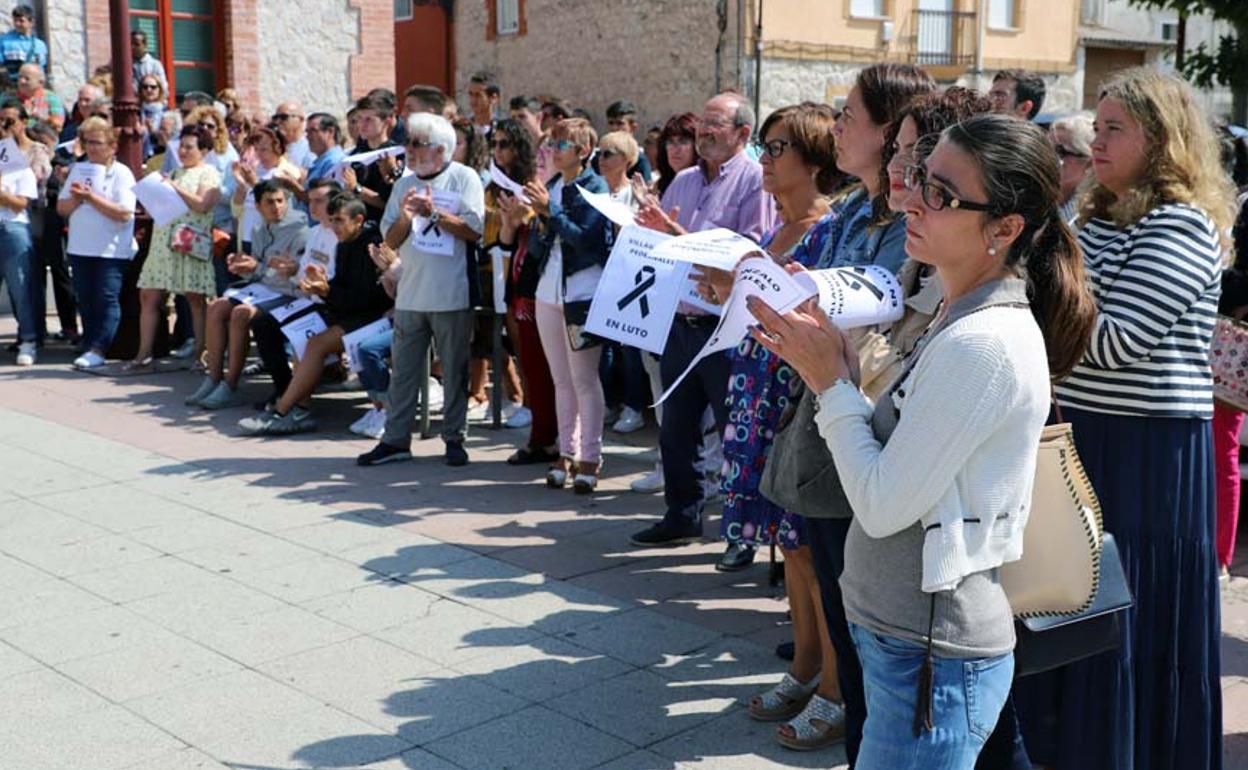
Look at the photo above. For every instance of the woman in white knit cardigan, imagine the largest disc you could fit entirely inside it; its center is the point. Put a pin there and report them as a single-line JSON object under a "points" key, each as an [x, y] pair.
{"points": [[939, 471]]}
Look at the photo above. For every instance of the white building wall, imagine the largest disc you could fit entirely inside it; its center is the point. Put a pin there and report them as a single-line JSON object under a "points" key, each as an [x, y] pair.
{"points": [[305, 51]]}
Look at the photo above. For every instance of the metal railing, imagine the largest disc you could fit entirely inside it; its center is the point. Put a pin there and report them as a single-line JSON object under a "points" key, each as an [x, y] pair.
{"points": [[941, 38]]}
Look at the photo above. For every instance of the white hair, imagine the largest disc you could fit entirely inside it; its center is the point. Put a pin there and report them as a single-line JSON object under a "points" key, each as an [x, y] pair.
{"points": [[1079, 125], [435, 129]]}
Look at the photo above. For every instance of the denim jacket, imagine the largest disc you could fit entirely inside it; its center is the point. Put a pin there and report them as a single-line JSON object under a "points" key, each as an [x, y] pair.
{"points": [[587, 235], [860, 243]]}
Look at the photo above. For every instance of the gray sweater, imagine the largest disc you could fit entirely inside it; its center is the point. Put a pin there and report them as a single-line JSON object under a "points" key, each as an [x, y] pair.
{"points": [[285, 238]]}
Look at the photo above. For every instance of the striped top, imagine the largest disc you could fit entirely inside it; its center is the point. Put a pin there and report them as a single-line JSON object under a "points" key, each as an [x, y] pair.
{"points": [[1156, 284]]}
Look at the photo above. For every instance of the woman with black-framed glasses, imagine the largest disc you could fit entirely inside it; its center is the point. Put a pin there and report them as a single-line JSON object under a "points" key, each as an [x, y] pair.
{"points": [[1072, 140], [152, 105]]}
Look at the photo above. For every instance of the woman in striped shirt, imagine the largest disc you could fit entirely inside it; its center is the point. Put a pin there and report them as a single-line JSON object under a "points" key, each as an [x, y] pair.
{"points": [[1141, 401]]}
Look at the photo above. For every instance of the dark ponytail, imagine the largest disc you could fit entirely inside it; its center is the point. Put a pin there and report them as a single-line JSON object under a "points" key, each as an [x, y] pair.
{"points": [[1020, 174]]}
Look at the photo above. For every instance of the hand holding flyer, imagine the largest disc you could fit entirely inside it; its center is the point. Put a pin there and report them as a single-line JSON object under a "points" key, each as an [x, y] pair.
{"points": [[719, 248], [617, 212], [160, 199], [855, 296]]}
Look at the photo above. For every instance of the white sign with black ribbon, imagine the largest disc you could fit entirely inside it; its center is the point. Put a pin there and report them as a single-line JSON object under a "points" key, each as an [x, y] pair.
{"points": [[429, 237], [637, 296], [721, 248], [856, 296], [302, 329], [351, 342], [11, 156]]}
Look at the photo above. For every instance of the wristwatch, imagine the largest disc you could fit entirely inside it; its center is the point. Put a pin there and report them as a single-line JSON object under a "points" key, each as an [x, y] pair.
{"points": [[357, 190], [435, 217]]}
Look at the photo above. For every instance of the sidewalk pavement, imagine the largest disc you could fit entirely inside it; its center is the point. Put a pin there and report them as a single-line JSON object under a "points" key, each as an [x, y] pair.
{"points": [[174, 596]]}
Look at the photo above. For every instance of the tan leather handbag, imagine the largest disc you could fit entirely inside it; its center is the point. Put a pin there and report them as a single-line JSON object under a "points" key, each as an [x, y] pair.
{"points": [[1060, 569]]}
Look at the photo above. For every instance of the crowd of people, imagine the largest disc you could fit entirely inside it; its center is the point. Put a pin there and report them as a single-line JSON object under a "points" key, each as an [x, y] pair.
{"points": [[1080, 265]]}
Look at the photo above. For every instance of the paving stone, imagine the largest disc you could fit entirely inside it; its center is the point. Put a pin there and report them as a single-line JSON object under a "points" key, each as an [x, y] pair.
{"points": [[359, 666], [16, 575], [119, 513], [254, 554], [206, 710], [187, 759], [14, 661], [83, 635], [84, 556], [271, 635], [641, 637], [382, 604], [543, 668], [408, 558], [639, 760], [453, 633], [160, 663], [532, 738], [43, 693], [46, 600], [150, 577], [200, 609], [108, 739], [323, 737], [345, 531], [308, 579], [415, 759], [641, 707], [730, 667], [203, 532]]}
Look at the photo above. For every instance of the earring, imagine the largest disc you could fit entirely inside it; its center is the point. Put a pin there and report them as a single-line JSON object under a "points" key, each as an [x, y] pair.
{"points": [[992, 251]]}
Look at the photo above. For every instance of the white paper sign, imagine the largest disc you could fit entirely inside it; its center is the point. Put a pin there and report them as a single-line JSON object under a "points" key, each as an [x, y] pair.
{"points": [[617, 212], [351, 342], [11, 156], [298, 305], [160, 199], [507, 183], [692, 297], [498, 275], [430, 238], [760, 278], [90, 174], [302, 329], [252, 294], [719, 248], [367, 158], [321, 249], [637, 296], [856, 296]]}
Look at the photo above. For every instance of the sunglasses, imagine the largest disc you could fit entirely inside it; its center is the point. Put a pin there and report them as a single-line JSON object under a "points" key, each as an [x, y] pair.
{"points": [[502, 144], [563, 144], [151, 87], [1064, 152], [278, 117], [606, 154]]}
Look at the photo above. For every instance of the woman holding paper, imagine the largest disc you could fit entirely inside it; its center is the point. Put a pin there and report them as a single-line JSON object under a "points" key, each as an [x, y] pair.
{"points": [[952, 442], [569, 242], [265, 157], [179, 259], [98, 200]]}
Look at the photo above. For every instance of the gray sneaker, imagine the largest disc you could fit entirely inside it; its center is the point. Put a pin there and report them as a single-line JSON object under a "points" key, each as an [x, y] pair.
{"points": [[297, 420], [221, 397], [205, 387]]}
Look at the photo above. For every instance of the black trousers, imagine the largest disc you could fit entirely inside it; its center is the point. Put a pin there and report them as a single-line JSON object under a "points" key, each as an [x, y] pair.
{"points": [[271, 343], [50, 256], [680, 434]]}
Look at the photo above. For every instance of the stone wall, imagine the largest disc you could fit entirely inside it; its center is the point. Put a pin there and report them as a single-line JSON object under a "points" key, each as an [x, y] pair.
{"points": [[67, 43], [305, 53], [661, 56], [789, 81]]}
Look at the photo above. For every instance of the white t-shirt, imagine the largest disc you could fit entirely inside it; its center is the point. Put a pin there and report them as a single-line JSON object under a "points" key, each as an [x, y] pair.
{"points": [[19, 183], [91, 234], [552, 289]]}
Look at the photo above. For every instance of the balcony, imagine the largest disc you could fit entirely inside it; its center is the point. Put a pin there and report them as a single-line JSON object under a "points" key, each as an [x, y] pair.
{"points": [[942, 42]]}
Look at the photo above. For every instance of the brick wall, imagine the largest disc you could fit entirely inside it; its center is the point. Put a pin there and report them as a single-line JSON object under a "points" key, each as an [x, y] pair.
{"points": [[99, 45], [242, 51], [660, 55], [372, 66]]}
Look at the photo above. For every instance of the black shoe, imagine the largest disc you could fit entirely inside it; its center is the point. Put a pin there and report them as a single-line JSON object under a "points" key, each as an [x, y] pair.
{"points": [[666, 534], [737, 557], [786, 651], [529, 456], [456, 455], [384, 453]]}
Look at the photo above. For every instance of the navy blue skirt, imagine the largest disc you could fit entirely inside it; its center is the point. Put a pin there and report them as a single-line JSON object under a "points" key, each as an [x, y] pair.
{"points": [[1155, 704]]}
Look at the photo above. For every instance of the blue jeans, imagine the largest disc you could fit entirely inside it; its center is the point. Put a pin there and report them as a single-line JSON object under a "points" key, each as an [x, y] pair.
{"points": [[16, 255], [374, 373], [97, 282], [967, 697]]}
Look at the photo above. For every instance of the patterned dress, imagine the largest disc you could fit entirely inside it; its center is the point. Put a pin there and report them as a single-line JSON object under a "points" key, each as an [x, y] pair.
{"points": [[172, 271], [759, 389]]}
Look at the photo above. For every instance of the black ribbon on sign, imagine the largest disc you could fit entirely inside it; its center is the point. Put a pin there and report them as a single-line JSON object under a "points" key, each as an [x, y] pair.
{"points": [[643, 280], [856, 284], [434, 227]]}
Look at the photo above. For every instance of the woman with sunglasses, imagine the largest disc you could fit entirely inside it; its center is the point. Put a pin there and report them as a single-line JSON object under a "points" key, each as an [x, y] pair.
{"points": [[1072, 139], [100, 216], [152, 105], [952, 442]]}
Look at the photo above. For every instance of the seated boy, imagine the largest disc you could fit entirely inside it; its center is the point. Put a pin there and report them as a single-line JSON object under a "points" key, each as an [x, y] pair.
{"points": [[354, 298]]}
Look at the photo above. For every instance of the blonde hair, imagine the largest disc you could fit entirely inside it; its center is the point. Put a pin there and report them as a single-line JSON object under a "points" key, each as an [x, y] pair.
{"points": [[1184, 157], [621, 142], [96, 125], [221, 136]]}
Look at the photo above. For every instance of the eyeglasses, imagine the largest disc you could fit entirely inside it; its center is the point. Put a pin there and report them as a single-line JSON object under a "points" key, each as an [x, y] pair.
{"points": [[418, 144], [1064, 152], [502, 144], [151, 86], [936, 197], [95, 142], [279, 117], [775, 148], [607, 154]]}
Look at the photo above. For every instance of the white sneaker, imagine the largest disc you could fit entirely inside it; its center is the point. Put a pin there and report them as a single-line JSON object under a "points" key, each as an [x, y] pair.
{"points": [[359, 426], [651, 482], [478, 411], [435, 395], [630, 420], [26, 353], [185, 350], [517, 416], [89, 360], [376, 428]]}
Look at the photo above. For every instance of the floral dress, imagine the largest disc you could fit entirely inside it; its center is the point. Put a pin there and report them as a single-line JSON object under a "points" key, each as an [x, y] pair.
{"points": [[759, 389], [172, 271]]}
